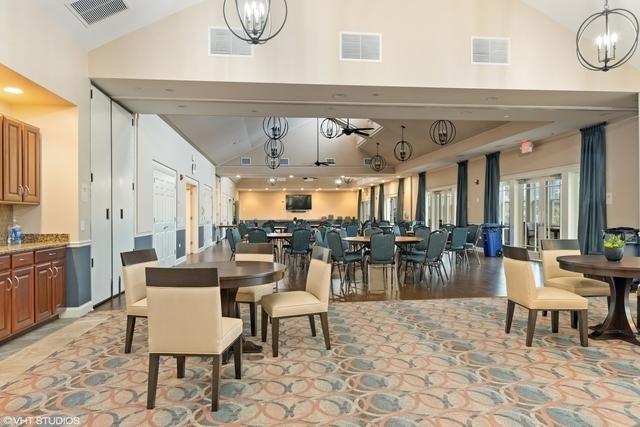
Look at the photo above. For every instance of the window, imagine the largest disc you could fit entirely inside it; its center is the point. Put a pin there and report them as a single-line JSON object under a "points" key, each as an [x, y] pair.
{"points": [[505, 211], [391, 208], [365, 210], [442, 207]]}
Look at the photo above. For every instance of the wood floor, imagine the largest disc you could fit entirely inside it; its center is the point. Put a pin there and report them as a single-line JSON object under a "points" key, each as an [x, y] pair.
{"points": [[484, 280]]}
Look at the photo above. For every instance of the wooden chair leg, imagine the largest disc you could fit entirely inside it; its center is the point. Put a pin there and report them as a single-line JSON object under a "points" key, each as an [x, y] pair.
{"points": [[531, 326], [152, 381], [583, 327], [275, 335], [128, 341], [180, 365], [324, 319], [312, 323], [555, 321], [510, 308], [265, 325], [253, 313], [215, 381], [574, 319], [237, 357]]}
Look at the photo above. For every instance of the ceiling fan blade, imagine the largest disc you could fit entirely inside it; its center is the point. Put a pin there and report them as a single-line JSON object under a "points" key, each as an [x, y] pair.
{"points": [[365, 128], [361, 133]]}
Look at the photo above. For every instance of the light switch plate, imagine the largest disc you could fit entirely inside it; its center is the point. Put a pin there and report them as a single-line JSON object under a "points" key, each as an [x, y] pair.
{"points": [[609, 198]]}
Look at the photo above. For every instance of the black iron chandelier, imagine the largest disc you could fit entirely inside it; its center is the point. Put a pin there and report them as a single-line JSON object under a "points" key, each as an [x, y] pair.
{"points": [[330, 129], [378, 163], [346, 179], [274, 148], [256, 20], [442, 132], [275, 127], [403, 150], [612, 48], [271, 162]]}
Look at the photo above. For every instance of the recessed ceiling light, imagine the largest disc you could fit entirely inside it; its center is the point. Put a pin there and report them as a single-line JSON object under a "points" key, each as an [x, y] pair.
{"points": [[339, 95], [182, 106], [301, 188], [397, 176], [266, 188], [237, 176], [290, 176], [375, 94], [250, 189], [284, 189], [506, 116], [13, 90]]}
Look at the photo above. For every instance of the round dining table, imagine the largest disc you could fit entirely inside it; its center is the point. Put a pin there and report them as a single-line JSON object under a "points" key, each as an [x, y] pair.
{"points": [[366, 240], [618, 324], [239, 274]]}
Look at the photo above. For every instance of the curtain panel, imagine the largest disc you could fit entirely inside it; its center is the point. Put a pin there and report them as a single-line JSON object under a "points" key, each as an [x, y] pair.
{"points": [[400, 208], [461, 194], [492, 189], [421, 201], [381, 203], [592, 208], [359, 207], [372, 203]]}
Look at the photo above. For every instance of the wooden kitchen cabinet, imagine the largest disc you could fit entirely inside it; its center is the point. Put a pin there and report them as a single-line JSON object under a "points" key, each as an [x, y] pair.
{"points": [[21, 158], [59, 284], [31, 164], [22, 299], [5, 305], [43, 295]]}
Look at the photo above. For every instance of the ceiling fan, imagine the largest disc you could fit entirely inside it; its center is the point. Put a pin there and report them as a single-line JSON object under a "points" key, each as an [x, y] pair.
{"points": [[349, 130], [318, 162]]}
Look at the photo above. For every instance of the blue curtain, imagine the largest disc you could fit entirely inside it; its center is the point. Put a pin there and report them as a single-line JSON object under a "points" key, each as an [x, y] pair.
{"points": [[420, 202], [400, 208], [381, 203], [492, 189], [592, 210], [461, 195], [359, 205], [372, 203]]}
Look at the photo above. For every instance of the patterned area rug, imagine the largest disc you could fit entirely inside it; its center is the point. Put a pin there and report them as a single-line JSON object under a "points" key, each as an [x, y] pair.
{"points": [[402, 363]]}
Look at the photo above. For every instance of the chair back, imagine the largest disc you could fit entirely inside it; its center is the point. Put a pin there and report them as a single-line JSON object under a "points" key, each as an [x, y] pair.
{"points": [[334, 243], [319, 275], [322, 229], [134, 264], [372, 231], [396, 230], [383, 247], [472, 236], [290, 227], [352, 230], [243, 229], [301, 237], [551, 250], [422, 233], [254, 252], [459, 237], [257, 235], [437, 243], [317, 235], [184, 310], [231, 238], [519, 275]]}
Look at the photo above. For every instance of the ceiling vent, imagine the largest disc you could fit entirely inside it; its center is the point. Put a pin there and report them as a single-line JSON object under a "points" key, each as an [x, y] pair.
{"points": [[330, 161], [361, 47], [490, 50], [223, 42], [245, 161], [367, 161], [309, 178], [92, 11], [284, 161]]}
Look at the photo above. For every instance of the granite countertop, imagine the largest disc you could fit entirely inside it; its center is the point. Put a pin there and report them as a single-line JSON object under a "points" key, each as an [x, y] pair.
{"points": [[35, 242]]}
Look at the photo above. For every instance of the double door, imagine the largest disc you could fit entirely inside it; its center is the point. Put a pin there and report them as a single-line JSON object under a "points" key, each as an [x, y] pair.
{"points": [[16, 300], [49, 288], [164, 214], [540, 210]]}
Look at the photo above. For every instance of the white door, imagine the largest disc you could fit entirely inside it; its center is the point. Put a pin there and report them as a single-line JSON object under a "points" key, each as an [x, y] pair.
{"points": [[207, 214], [122, 172], [101, 271], [164, 214]]}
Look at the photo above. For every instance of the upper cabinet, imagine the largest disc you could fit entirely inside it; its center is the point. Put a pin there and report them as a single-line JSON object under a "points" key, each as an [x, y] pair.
{"points": [[20, 162]]}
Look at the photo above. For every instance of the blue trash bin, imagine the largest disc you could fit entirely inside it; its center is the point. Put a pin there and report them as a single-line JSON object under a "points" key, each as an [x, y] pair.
{"points": [[492, 239]]}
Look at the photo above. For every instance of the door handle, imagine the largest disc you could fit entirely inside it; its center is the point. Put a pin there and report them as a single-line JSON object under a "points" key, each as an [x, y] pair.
{"points": [[15, 285], [27, 190], [121, 213], [10, 282], [20, 190], [107, 213], [56, 269]]}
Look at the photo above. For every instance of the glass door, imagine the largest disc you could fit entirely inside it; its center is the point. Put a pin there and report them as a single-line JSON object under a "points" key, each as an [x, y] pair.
{"points": [[391, 208], [540, 210], [442, 205]]}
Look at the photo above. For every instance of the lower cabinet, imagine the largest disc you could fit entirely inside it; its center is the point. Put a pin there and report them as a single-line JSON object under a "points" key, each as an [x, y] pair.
{"points": [[33, 289]]}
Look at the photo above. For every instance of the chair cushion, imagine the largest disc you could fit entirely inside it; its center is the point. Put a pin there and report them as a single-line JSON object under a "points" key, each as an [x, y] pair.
{"points": [[549, 298], [580, 285], [138, 308], [253, 293], [295, 303], [352, 257], [231, 330]]}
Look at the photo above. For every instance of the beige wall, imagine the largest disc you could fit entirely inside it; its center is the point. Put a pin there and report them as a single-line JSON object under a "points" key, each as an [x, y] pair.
{"points": [[263, 205], [622, 174]]}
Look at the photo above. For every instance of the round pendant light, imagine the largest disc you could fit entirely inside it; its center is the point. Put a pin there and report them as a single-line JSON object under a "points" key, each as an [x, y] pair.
{"points": [[442, 132], [272, 163], [256, 20], [275, 127], [274, 148], [403, 150], [330, 129], [607, 39], [378, 163]]}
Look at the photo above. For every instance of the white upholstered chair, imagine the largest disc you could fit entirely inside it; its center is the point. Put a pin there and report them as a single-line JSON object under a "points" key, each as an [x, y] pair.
{"points": [[314, 300], [252, 295], [185, 319], [134, 264], [522, 290], [570, 281]]}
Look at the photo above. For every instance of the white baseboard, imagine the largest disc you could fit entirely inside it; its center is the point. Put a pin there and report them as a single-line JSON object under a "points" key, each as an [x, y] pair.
{"points": [[74, 312], [181, 260]]}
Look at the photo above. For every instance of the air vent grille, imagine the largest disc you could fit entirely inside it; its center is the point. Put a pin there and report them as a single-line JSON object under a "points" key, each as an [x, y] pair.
{"points": [[284, 161], [330, 160], [361, 47], [490, 50], [223, 42], [245, 161], [92, 11], [367, 161]]}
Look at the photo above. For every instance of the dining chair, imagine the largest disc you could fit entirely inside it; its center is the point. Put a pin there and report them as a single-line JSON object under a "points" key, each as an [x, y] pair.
{"points": [[456, 248], [299, 248], [343, 258], [382, 252], [135, 291], [252, 295], [319, 240], [371, 231], [472, 241], [185, 319], [570, 281], [418, 253], [352, 230], [243, 229], [435, 253], [522, 290], [314, 300], [257, 235]]}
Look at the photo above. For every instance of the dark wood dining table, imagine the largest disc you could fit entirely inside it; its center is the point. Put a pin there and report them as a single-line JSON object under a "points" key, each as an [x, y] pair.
{"points": [[618, 324], [239, 274], [366, 240]]}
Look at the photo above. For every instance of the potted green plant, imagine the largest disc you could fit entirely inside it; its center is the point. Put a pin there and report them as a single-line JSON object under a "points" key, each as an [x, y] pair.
{"points": [[614, 248]]}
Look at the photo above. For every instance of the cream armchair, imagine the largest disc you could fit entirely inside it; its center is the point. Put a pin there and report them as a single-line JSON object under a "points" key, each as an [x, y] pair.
{"points": [[570, 281], [252, 295], [314, 300], [522, 290], [134, 264], [185, 319]]}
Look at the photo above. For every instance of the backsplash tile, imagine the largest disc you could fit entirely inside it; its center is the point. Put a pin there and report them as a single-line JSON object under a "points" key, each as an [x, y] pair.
{"points": [[6, 219]]}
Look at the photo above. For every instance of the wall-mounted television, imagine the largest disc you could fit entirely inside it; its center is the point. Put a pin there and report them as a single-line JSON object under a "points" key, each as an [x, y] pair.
{"points": [[298, 202]]}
